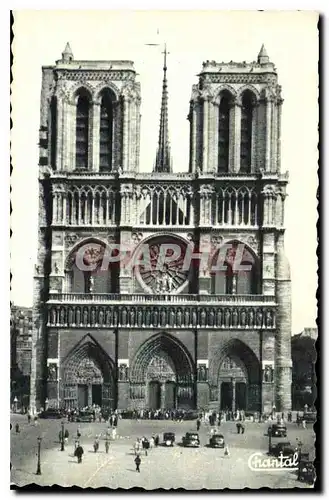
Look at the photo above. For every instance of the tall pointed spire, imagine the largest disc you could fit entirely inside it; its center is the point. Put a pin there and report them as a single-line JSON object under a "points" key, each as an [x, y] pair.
{"points": [[262, 56], [163, 158], [67, 55]]}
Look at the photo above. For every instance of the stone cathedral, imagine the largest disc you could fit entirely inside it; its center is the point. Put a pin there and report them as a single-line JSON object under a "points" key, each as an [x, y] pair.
{"points": [[139, 337]]}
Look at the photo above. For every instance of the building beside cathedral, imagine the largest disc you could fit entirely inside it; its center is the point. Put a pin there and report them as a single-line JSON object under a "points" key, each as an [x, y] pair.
{"points": [[140, 337]]}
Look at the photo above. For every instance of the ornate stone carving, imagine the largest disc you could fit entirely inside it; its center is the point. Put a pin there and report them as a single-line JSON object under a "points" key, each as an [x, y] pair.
{"points": [[123, 373], [216, 240], [268, 374], [52, 372], [71, 239], [136, 237], [202, 373]]}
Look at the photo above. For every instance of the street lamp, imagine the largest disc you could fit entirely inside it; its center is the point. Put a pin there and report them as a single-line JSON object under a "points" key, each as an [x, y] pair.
{"points": [[39, 464], [269, 440], [62, 437]]}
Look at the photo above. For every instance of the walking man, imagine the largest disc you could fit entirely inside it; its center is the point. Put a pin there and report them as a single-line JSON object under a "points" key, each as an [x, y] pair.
{"points": [[198, 423], [137, 462], [107, 446], [78, 453]]}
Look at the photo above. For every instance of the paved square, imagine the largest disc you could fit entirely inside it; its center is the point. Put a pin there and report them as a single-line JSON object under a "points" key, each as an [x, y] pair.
{"points": [[175, 467]]}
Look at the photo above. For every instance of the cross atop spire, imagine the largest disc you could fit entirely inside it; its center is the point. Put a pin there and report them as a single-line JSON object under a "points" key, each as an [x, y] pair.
{"points": [[163, 158], [262, 56], [67, 55]]}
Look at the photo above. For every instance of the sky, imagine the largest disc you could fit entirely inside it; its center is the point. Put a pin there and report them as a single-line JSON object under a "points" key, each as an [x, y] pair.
{"points": [[291, 41]]}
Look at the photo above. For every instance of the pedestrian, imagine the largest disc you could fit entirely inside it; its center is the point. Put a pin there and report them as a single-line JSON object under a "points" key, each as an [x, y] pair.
{"points": [[151, 442], [114, 433], [138, 462], [226, 451], [28, 418], [36, 420], [17, 427], [304, 423], [156, 440], [242, 429], [96, 444], [198, 423], [107, 446], [66, 435], [78, 453], [78, 432], [238, 427]]}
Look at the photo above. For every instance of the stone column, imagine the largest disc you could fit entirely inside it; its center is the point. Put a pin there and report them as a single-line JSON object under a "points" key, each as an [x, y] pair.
{"points": [[205, 135], [163, 395], [212, 137], [278, 146], [96, 113], [233, 395], [237, 136], [274, 137], [125, 135], [268, 135], [232, 138], [193, 137], [283, 363], [254, 137], [90, 394], [59, 138]]}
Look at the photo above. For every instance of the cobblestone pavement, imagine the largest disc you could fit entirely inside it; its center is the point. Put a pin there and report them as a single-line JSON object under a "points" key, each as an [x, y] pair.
{"points": [[175, 467]]}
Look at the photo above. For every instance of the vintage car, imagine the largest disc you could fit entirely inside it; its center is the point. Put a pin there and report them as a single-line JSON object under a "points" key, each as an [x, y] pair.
{"points": [[168, 438], [85, 416], [52, 413], [191, 439], [306, 471], [277, 430], [284, 447], [217, 441]]}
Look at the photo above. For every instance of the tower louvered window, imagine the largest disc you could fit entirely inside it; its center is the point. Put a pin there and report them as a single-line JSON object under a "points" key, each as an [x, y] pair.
{"points": [[82, 133], [223, 134], [246, 133], [106, 133]]}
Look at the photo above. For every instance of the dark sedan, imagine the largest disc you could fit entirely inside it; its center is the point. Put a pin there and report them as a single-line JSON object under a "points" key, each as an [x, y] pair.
{"points": [[191, 439], [277, 430], [52, 413], [217, 441]]}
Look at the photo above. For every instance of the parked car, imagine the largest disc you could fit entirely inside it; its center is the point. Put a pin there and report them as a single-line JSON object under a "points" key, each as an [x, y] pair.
{"points": [[284, 447], [306, 471], [277, 430], [310, 416], [217, 441], [85, 416], [168, 438], [52, 413], [191, 439]]}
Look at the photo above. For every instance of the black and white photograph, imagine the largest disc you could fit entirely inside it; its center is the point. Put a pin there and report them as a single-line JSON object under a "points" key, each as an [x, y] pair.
{"points": [[164, 192]]}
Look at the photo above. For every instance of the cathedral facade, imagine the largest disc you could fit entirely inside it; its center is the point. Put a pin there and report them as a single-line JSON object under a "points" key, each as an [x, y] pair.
{"points": [[169, 336]]}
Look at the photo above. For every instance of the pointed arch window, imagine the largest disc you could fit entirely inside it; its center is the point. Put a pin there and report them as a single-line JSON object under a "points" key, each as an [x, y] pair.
{"points": [[223, 133], [82, 133], [246, 132], [106, 132]]}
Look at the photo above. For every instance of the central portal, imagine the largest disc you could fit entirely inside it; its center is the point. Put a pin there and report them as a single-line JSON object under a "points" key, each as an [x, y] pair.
{"points": [[161, 376]]}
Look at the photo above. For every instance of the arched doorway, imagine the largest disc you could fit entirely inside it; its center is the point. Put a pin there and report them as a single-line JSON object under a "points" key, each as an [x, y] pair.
{"points": [[233, 379], [162, 375], [88, 377], [236, 372]]}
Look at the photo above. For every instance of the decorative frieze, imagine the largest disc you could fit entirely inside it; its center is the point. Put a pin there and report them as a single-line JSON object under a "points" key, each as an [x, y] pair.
{"points": [[159, 316]]}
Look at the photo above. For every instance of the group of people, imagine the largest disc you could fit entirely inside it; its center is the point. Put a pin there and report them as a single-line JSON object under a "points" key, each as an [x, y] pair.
{"points": [[151, 414]]}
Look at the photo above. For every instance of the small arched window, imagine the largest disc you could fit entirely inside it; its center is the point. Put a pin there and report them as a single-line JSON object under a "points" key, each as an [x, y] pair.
{"points": [[246, 132], [106, 132], [223, 133], [82, 133]]}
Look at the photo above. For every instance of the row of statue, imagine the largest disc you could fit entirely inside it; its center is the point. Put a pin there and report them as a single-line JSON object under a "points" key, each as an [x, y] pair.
{"points": [[228, 317]]}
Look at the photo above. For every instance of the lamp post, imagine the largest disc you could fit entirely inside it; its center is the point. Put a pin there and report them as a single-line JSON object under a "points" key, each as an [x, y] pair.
{"points": [[62, 437], [38, 473], [269, 441]]}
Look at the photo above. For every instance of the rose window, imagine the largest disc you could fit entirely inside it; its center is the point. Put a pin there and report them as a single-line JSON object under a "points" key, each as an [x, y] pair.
{"points": [[161, 274]]}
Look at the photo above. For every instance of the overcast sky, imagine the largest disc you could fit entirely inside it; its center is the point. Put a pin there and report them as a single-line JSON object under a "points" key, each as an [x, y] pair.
{"points": [[291, 40]]}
